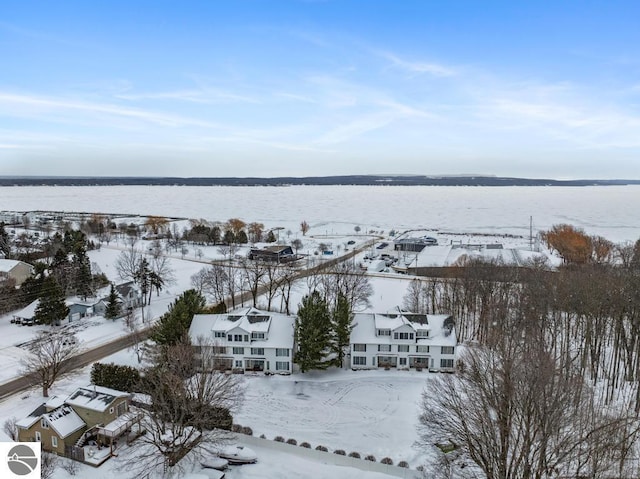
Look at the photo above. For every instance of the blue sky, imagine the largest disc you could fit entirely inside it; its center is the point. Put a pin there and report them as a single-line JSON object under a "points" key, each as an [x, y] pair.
{"points": [[272, 88]]}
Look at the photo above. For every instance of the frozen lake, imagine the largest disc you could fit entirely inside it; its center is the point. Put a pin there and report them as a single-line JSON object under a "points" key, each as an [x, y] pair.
{"points": [[610, 211]]}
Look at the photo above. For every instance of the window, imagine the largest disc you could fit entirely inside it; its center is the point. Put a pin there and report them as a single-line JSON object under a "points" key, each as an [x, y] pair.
{"points": [[402, 336], [422, 349], [282, 365], [446, 363], [219, 334], [257, 351], [238, 350], [111, 410], [403, 348], [44, 424], [54, 441], [384, 332], [422, 333], [38, 436], [360, 347], [447, 350], [219, 350], [282, 352], [384, 347], [410, 335], [360, 360], [257, 335], [230, 338], [237, 337], [246, 338], [403, 361], [238, 364]]}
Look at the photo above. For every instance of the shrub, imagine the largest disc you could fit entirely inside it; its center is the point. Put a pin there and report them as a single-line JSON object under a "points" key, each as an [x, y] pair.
{"points": [[262, 436], [340, 452], [115, 376], [293, 442], [387, 460], [236, 428], [321, 448], [247, 431], [305, 445], [278, 439], [405, 464], [355, 454], [371, 458]]}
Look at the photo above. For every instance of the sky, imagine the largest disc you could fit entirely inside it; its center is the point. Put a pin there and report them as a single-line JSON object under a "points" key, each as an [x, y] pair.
{"points": [[537, 89]]}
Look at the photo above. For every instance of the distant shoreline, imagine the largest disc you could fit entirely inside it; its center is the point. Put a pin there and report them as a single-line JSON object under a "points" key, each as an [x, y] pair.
{"points": [[351, 180]]}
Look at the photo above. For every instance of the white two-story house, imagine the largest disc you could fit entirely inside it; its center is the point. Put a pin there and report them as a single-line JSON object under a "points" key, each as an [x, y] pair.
{"points": [[403, 340], [247, 339]]}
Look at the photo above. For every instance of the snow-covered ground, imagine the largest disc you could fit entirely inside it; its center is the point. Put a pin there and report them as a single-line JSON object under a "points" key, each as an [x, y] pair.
{"points": [[601, 210]]}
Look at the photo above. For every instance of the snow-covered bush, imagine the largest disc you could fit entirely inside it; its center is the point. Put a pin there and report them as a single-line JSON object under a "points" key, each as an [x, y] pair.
{"points": [[321, 448], [387, 460], [306, 445], [278, 439], [405, 464], [371, 458], [247, 431], [355, 454], [293, 442], [340, 452]]}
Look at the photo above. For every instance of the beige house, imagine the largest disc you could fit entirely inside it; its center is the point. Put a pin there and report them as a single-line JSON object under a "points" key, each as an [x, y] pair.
{"points": [[90, 414], [18, 271]]}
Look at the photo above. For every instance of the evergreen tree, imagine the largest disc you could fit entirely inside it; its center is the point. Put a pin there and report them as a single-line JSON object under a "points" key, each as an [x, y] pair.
{"points": [[52, 307], [83, 277], [271, 238], [341, 319], [113, 304], [313, 333], [175, 323], [5, 243], [241, 237]]}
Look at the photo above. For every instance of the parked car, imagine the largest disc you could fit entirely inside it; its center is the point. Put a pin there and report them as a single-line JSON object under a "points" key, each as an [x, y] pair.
{"points": [[351, 242], [382, 245], [237, 455]]}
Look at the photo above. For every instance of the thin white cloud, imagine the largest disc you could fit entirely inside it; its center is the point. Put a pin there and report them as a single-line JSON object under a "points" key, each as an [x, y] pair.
{"points": [[208, 96], [418, 67], [44, 104]]}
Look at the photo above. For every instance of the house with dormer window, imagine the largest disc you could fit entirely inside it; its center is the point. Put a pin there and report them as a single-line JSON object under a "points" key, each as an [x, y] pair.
{"points": [[247, 339], [92, 413], [403, 340]]}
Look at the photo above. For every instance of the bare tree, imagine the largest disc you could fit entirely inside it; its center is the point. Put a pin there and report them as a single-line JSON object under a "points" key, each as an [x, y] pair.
{"points": [[127, 264], [515, 421], [49, 357], [348, 280], [189, 399], [211, 282], [10, 428], [48, 465], [135, 331]]}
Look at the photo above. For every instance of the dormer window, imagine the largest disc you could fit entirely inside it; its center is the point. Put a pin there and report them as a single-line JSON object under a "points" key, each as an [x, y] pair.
{"points": [[255, 335], [422, 333], [44, 424], [384, 332], [219, 334]]}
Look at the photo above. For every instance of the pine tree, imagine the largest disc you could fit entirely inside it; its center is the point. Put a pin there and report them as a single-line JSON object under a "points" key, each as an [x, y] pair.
{"points": [[313, 333], [113, 304], [175, 323], [341, 319], [52, 307], [271, 238]]}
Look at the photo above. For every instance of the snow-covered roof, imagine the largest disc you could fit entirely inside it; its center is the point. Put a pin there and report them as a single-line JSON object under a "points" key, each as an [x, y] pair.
{"points": [[367, 324], [32, 418], [448, 255], [64, 420], [54, 402], [28, 311], [7, 265], [97, 398], [279, 327]]}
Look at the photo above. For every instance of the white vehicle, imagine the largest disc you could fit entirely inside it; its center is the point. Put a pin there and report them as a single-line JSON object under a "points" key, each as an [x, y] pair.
{"points": [[237, 455]]}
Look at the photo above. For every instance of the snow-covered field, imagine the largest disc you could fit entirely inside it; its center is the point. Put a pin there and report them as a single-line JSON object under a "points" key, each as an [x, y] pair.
{"points": [[602, 210]]}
